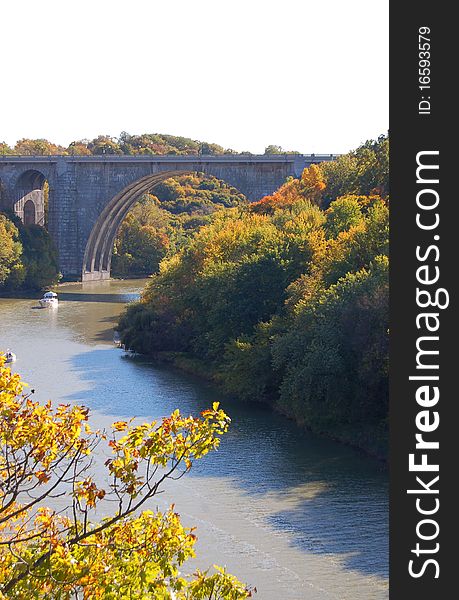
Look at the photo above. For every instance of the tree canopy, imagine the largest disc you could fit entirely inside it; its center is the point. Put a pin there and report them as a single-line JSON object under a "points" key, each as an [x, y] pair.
{"points": [[146, 143]]}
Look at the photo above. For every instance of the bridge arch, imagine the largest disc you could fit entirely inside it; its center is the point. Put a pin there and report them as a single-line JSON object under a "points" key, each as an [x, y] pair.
{"points": [[99, 247], [30, 213], [28, 197]]}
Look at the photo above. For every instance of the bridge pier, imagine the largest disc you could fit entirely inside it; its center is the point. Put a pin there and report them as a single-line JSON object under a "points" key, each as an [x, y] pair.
{"points": [[95, 275]]}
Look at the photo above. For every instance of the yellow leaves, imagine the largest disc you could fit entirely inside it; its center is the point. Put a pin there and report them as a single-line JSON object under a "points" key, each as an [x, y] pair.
{"points": [[44, 518], [135, 557], [88, 491], [312, 183], [42, 476], [41, 431], [167, 444], [11, 386], [120, 425], [220, 585]]}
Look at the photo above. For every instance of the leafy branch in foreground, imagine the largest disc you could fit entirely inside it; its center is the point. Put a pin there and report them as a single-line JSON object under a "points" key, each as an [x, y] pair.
{"points": [[65, 552]]}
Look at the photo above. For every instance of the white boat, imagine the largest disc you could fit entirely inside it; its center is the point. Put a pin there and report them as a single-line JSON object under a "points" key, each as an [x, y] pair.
{"points": [[10, 356], [49, 300]]}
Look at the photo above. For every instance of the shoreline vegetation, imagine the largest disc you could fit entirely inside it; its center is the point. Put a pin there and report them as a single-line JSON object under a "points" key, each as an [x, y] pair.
{"points": [[352, 437], [285, 300]]}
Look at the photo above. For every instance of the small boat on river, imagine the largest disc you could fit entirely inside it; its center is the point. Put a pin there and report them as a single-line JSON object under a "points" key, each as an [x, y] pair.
{"points": [[10, 356], [49, 300]]}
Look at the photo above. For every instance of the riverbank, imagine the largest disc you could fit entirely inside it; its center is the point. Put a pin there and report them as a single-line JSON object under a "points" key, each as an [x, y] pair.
{"points": [[370, 441], [290, 512]]}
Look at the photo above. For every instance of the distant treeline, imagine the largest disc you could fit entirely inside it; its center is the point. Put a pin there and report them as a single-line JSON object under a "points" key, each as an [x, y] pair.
{"points": [[285, 300], [146, 143]]}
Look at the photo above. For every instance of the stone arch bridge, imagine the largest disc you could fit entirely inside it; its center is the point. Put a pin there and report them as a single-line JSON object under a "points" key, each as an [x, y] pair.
{"points": [[89, 196]]}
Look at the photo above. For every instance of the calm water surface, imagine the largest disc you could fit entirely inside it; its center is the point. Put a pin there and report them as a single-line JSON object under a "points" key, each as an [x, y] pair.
{"points": [[296, 516]]}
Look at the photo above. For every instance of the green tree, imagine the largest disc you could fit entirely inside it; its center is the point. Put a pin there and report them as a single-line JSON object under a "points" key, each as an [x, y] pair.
{"points": [[343, 213], [163, 223], [363, 171], [139, 248], [10, 252], [334, 358], [5, 149], [247, 370], [39, 257], [206, 148], [272, 149]]}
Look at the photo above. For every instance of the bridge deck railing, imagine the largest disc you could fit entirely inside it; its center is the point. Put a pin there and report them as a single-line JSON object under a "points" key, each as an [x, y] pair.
{"points": [[169, 157]]}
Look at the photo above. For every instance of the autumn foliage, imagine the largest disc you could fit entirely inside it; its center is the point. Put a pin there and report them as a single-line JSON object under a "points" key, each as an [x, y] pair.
{"points": [[286, 300], [309, 187], [162, 222], [146, 143]]}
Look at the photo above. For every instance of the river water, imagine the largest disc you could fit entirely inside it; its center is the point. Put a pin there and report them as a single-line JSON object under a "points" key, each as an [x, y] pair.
{"points": [[296, 516]]}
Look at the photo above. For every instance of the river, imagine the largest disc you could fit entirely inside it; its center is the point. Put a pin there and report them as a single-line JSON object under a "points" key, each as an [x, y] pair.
{"points": [[297, 516]]}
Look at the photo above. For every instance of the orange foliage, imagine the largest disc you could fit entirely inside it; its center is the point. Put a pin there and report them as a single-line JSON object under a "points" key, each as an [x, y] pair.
{"points": [[309, 187]]}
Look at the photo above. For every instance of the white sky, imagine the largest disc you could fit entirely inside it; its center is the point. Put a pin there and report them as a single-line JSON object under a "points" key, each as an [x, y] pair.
{"points": [[308, 75]]}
